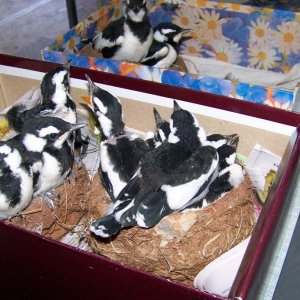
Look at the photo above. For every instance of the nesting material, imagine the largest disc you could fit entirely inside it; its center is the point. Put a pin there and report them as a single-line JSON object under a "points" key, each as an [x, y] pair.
{"points": [[183, 243], [55, 223]]}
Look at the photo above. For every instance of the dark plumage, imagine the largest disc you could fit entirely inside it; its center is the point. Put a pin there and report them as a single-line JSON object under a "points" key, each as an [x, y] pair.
{"points": [[164, 49], [169, 177], [129, 37], [33, 162], [120, 153]]}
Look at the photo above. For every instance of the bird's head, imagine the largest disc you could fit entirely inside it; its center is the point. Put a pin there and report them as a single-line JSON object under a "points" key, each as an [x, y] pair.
{"points": [[107, 109], [55, 85], [217, 140], [135, 10], [226, 146], [42, 132], [162, 128], [185, 128], [169, 33]]}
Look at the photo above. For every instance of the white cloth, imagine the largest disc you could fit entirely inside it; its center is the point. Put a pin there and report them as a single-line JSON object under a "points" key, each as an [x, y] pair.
{"points": [[219, 69], [218, 276]]}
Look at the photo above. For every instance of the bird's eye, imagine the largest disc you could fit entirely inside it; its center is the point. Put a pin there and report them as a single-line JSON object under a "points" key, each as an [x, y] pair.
{"points": [[53, 136]]}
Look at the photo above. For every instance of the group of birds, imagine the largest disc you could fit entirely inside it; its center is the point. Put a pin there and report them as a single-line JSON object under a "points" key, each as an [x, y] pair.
{"points": [[148, 177], [41, 154], [131, 38]]}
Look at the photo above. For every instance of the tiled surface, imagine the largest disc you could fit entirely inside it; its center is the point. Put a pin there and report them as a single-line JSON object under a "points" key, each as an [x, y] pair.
{"points": [[28, 26]]}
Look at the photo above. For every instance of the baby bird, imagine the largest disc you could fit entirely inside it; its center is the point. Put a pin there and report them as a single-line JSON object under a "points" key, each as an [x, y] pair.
{"points": [[161, 133], [164, 49], [129, 37], [169, 177], [33, 162], [231, 174], [120, 152], [55, 100]]}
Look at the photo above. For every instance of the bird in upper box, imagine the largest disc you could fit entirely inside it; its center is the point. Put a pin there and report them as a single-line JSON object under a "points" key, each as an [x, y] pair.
{"points": [[164, 49], [129, 37], [169, 177], [33, 162]]}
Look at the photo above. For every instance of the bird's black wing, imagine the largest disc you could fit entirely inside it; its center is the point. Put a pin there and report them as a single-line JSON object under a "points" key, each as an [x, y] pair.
{"points": [[106, 42], [152, 209], [107, 184], [221, 184], [114, 30], [156, 52]]}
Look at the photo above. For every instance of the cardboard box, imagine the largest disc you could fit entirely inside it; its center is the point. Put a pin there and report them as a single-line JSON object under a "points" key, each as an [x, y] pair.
{"points": [[232, 41], [43, 268]]}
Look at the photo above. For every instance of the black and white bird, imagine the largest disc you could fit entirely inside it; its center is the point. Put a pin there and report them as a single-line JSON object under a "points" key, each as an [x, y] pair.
{"points": [[129, 37], [55, 100], [164, 49], [169, 178], [33, 162], [120, 152], [161, 133], [230, 173]]}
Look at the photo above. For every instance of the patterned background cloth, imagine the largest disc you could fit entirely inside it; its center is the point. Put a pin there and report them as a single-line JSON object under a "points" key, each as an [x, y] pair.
{"points": [[247, 36]]}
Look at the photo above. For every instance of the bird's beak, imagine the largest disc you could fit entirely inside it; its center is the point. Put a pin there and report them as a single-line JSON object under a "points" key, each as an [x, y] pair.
{"points": [[158, 118], [233, 140], [90, 82], [176, 106], [187, 30], [184, 36], [64, 136], [91, 85], [68, 65], [87, 100]]}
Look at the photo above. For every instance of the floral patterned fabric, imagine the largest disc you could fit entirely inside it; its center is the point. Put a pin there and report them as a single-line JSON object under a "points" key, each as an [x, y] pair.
{"points": [[248, 36]]}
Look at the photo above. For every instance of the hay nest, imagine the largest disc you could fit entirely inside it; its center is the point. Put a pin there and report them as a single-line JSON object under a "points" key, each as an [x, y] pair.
{"points": [[182, 243], [55, 223]]}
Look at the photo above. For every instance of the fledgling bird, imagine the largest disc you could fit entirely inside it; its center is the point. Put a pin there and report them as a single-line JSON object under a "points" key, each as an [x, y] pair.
{"points": [[161, 133], [55, 100], [33, 162], [120, 152], [169, 177], [164, 49], [230, 173], [129, 37]]}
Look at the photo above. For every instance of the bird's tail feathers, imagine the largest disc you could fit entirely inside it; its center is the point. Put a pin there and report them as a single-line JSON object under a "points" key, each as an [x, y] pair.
{"points": [[152, 209], [130, 190]]}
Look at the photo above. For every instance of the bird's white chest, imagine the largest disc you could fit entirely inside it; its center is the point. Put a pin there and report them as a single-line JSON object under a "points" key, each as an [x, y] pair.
{"points": [[168, 60], [109, 168], [132, 49], [50, 176]]}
